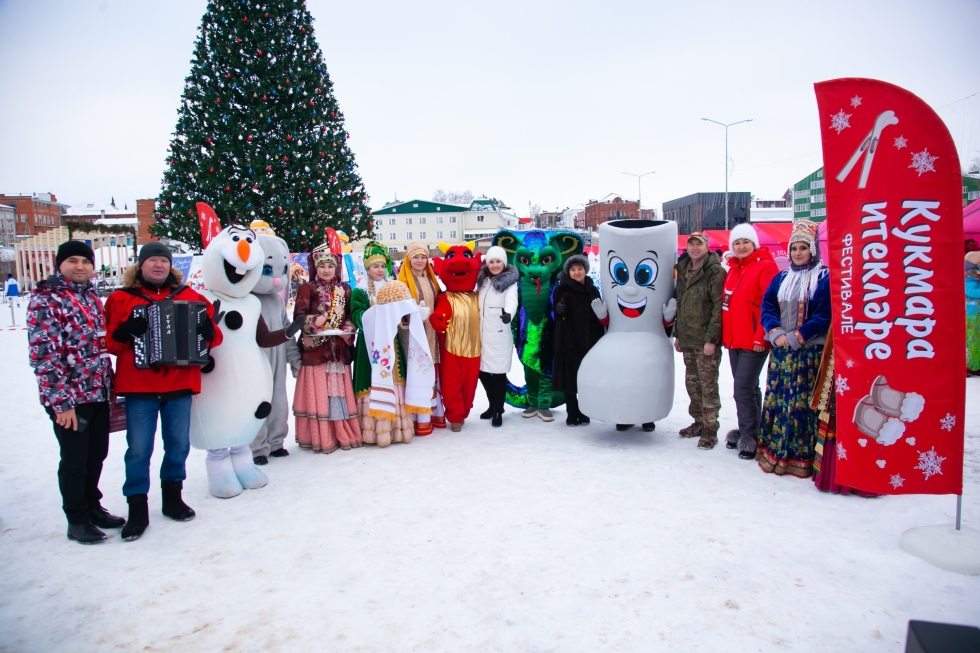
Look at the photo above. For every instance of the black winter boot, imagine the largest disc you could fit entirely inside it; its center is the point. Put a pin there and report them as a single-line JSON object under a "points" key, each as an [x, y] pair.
{"points": [[486, 380], [497, 420], [139, 518], [103, 519], [279, 453], [173, 505], [649, 426], [85, 533], [571, 410]]}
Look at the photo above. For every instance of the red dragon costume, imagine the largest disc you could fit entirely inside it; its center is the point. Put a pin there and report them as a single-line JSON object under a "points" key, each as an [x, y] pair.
{"points": [[456, 318]]}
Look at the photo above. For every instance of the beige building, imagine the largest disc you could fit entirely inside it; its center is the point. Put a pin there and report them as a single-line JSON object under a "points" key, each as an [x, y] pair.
{"points": [[399, 223]]}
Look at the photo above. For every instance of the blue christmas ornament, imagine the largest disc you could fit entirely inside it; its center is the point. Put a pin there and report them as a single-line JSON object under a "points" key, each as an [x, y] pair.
{"points": [[248, 206]]}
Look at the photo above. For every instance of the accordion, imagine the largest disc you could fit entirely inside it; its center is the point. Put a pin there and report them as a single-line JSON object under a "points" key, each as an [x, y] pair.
{"points": [[171, 336]]}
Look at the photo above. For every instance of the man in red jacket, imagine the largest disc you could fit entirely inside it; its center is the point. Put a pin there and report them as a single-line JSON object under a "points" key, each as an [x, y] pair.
{"points": [[743, 335], [163, 390], [66, 331]]}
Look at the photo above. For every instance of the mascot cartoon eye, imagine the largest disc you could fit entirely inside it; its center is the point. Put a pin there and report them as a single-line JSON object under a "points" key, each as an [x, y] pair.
{"points": [[468, 254], [646, 272], [450, 254], [525, 260], [235, 238], [266, 270], [285, 269], [546, 260], [248, 239], [620, 273]]}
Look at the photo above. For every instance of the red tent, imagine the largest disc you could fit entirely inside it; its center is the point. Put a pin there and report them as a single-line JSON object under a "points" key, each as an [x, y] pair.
{"points": [[717, 239], [971, 221], [775, 236]]}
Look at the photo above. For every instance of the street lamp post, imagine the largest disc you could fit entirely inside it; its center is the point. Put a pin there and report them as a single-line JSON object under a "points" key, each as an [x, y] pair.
{"points": [[726, 159], [639, 192]]}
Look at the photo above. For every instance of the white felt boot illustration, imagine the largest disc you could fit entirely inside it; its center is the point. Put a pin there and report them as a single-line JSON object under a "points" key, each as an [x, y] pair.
{"points": [[236, 396], [628, 376]]}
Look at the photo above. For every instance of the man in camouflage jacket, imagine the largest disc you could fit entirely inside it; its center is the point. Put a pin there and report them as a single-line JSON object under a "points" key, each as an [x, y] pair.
{"points": [[700, 282], [66, 333]]}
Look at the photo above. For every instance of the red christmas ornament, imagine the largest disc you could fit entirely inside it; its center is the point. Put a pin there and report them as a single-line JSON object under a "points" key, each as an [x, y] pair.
{"points": [[246, 19], [309, 192], [209, 140], [319, 91], [227, 189], [228, 75], [269, 169], [287, 82], [285, 158], [264, 98], [323, 129], [323, 154], [218, 100], [249, 138], [190, 212], [302, 29], [311, 103], [238, 40], [256, 186], [289, 137], [211, 170], [280, 209], [355, 210], [316, 228], [260, 53], [332, 114], [265, 15]]}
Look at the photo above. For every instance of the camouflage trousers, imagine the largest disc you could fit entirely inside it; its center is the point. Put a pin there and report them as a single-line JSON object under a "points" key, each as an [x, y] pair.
{"points": [[701, 379]]}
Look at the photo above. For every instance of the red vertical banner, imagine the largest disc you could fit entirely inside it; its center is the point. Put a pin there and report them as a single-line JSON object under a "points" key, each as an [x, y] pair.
{"points": [[895, 235], [210, 224]]}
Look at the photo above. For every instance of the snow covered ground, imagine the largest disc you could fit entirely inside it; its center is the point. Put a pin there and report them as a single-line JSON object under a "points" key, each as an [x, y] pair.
{"points": [[531, 537]]}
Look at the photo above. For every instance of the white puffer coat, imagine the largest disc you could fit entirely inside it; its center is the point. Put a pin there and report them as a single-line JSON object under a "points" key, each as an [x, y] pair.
{"points": [[497, 295]]}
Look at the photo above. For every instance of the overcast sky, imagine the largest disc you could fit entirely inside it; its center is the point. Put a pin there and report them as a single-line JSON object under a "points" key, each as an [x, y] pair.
{"points": [[547, 102]]}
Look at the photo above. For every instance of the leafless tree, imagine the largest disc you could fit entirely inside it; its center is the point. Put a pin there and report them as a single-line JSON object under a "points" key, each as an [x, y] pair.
{"points": [[464, 198]]}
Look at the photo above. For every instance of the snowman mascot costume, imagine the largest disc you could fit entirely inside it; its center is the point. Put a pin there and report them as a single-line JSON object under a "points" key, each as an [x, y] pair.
{"points": [[628, 376], [274, 279], [236, 394]]}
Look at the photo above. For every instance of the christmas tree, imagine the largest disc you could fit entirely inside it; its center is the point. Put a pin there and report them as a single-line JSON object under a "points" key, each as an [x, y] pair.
{"points": [[259, 133]]}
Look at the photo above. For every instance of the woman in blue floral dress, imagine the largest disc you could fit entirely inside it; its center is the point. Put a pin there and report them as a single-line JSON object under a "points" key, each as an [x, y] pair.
{"points": [[796, 315]]}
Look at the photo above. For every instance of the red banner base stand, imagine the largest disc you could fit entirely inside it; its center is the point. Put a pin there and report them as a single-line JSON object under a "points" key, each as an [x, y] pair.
{"points": [[947, 546]]}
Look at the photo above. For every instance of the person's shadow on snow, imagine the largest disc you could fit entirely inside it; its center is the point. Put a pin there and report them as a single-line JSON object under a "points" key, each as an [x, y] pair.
{"points": [[605, 435]]}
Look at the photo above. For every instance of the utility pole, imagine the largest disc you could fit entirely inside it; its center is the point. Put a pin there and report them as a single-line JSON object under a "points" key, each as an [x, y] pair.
{"points": [[726, 159]]}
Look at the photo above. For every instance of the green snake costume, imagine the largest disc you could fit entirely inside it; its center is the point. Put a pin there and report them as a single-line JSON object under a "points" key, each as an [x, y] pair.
{"points": [[538, 257]]}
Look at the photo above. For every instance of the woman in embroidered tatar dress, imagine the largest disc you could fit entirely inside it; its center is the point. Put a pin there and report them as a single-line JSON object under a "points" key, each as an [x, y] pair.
{"points": [[971, 266], [323, 404], [796, 317], [416, 272], [377, 430]]}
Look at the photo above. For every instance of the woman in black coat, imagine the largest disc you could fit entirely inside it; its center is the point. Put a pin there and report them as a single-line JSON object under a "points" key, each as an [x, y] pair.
{"points": [[577, 329]]}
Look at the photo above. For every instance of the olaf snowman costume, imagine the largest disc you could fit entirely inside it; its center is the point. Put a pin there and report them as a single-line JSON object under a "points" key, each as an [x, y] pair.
{"points": [[628, 376], [236, 395], [274, 279]]}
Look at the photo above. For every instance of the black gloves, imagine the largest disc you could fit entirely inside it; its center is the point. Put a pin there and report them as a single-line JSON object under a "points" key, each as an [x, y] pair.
{"points": [[206, 330], [560, 308], [131, 328], [505, 317], [294, 327]]}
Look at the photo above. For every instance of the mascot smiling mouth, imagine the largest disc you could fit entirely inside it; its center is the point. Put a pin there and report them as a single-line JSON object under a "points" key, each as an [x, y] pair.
{"points": [[233, 276], [631, 309]]}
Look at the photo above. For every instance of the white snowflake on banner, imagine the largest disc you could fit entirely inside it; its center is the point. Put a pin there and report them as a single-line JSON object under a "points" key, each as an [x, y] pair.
{"points": [[947, 423], [856, 101], [849, 363], [922, 162], [842, 386], [841, 452], [930, 463], [897, 481], [839, 121], [901, 142]]}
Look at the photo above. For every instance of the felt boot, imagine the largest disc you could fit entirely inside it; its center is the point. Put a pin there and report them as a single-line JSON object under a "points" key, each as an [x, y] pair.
{"points": [[250, 476], [139, 517], [173, 504], [222, 480]]}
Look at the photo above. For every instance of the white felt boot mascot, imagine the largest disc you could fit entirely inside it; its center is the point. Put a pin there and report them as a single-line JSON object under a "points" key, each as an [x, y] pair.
{"points": [[274, 280], [236, 395], [628, 376]]}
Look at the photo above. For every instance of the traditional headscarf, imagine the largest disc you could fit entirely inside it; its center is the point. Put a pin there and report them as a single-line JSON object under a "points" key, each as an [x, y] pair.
{"points": [[407, 276], [375, 252], [801, 280]]}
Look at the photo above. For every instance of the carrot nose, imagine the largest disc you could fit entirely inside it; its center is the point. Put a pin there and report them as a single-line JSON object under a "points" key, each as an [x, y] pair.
{"points": [[244, 250]]}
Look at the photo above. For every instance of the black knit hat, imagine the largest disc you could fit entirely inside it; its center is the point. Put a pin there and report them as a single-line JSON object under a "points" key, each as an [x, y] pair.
{"points": [[154, 248], [74, 248]]}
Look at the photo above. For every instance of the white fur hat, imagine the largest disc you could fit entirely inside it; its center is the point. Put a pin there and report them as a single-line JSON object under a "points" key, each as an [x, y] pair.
{"points": [[745, 231], [496, 252]]}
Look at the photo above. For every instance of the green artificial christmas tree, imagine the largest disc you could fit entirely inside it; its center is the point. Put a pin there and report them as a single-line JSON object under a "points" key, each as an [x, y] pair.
{"points": [[260, 135]]}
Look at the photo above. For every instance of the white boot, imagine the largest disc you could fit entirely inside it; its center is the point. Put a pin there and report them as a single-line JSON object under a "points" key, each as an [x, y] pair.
{"points": [[222, 480], [250, 476]]}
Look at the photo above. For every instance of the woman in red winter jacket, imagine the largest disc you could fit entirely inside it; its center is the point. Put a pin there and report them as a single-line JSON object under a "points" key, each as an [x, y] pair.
{"points": [[743, 334]]}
